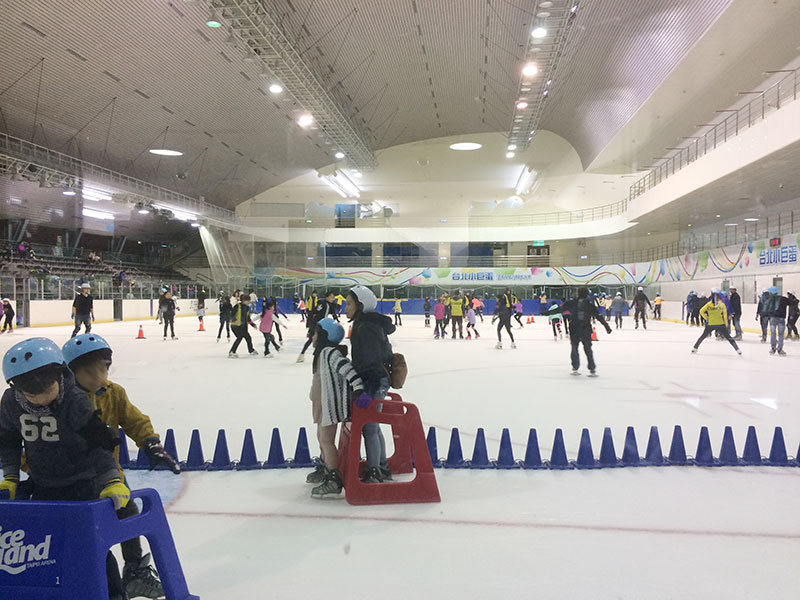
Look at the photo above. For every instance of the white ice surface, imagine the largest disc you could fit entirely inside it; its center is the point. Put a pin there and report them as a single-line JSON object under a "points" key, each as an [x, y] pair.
{"points": [[617, 533]]}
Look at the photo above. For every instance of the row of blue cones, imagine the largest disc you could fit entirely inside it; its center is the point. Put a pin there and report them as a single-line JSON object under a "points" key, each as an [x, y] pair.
{"points": [[704, 456]]}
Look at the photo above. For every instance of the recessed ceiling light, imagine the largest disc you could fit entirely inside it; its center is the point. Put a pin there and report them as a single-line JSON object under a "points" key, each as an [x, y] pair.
{"points": [[545, 93], [308, 221], [339, 155], [549, 81], [358, 174], [195, 224], [465, 146], [718, 216], [522, 105], [574, 8], [212, 21], [530, 70], [648, 233], [275, 88], [545, 4], [543, 14], [512, 146], [731, 224], [539, 32], [751, 219], [143, 211], [305, 120], [509, 155], [165, 152], [68, 192]]}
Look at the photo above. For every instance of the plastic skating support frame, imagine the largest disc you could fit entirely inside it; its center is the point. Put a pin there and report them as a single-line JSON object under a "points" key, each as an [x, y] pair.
{"points": [[411, 451], [69, 542]]}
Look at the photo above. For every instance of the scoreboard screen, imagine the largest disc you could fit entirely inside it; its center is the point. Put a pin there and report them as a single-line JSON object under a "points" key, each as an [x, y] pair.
{"points": [[775, 242]]}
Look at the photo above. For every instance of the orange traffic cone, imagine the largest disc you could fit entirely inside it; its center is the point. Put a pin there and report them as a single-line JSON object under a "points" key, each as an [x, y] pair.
{"points": [[532, 320], [201, 327], [141, 334], [594, 334]]}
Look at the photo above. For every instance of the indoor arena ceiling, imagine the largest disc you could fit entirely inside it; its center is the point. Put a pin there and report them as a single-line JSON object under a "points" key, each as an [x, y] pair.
{"points": [[106, 81]]}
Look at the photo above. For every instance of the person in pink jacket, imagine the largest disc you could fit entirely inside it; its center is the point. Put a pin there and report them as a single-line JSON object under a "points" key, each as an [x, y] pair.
{"points": [[265, 327], [438, 314]]}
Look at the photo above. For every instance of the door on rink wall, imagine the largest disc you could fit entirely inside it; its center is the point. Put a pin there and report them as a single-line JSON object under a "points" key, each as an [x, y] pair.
{"points": [[778, 283]]}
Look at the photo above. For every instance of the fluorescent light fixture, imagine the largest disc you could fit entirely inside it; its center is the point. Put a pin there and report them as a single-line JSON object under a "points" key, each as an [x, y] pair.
{"points": [[329, 181], [549, 81], [509, 155], [442, 258], [522, 105], [751, 219], [97, 214], [512, 147], [530, 70], [339, 182], [339, 155], [277, 88], [165, 152], [584, 257], [69, 192], [442, 220], [525, 181], [539, 32], [305, 120], [309, 258], [179, 214], [689, 225], [731, 224], [718, 216], [358, 174], [195, 224], [96, 195], [465, 146], [212, 21], [143, 211]]}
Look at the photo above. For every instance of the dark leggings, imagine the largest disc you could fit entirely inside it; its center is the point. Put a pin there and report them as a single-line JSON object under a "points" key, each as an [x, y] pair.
{"points": [[505, 321], [722, 330], [518, 317], [556, 327], [241, 333], [278, 330], [471, 326], [791, 324], [397, 319], [439, 329], [169, 321], [618, 319], [226, 323], [9, 324], [427, 318], [269, 338]]}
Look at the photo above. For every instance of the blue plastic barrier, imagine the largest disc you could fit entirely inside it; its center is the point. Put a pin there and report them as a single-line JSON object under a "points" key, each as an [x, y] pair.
{"points": [[62, 548]]}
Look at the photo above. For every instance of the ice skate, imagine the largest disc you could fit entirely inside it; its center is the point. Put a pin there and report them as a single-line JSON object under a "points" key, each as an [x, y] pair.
{"points": [[233, 355], [781, 353], [330, 487], [318, 475], [372, 475], [592, 373], [174, 337], [694, 350], [738, 351], [772, 352], [141, 580], [165, 338], [436, 336], [575, 372], [301, 358], [253, 352], [513, 345], [499, 345], [218, 340], [469, 337]]}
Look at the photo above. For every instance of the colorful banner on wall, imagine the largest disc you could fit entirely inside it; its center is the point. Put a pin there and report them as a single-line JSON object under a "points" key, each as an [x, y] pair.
{"points": [[750, 257]]}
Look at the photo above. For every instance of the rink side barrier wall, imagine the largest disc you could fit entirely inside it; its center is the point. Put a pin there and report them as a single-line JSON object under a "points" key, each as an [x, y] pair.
{"points": [[49, 313], [455, 457]]}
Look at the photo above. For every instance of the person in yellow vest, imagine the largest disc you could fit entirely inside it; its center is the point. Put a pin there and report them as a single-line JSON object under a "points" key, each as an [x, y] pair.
{"points": [[398, 310], [88, 356], [715, 316], [456, 303], [657, 307]]}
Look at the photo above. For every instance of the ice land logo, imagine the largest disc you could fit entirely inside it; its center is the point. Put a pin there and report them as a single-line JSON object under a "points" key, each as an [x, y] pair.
{"points": [[16, 556]]}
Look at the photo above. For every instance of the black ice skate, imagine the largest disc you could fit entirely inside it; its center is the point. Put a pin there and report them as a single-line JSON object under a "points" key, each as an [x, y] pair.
{"points": [[318, 475], [330, 487], [141, 580]]}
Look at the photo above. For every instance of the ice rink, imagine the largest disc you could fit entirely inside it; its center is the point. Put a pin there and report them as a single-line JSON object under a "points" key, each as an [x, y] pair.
{"points": [[678, 532]]}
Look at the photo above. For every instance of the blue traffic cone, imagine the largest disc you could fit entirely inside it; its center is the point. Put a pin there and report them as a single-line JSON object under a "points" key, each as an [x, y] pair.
{"points": [[727, 454], [533, 458], [222, 459], [124, 455], [558, 457], [608, 456], [142, 462], [704, 455], [275, 460], [630, 454], [195, 460], [170, 446], [752, 453], [677, 450], [505, 457], [455, 458], [248, 460], [654, 456], [302, 455], [777, 454], [585, 453], [480, 457], [433, 449]]}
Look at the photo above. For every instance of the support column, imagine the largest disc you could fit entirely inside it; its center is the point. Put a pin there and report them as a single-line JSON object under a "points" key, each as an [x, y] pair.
{"points": [[377, 254], [444, 254]]}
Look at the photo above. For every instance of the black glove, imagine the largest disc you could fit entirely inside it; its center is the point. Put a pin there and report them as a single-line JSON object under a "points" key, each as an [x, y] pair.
{"points": [[158, 456], [99, 434]]}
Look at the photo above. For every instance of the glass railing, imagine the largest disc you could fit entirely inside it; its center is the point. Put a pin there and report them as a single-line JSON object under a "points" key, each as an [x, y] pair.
{"points": [[735, 121]]}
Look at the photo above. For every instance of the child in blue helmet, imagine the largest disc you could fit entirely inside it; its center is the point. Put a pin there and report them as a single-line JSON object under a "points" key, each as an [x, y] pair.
{"points": [[67, 447], [334, 383], [89, 356]]}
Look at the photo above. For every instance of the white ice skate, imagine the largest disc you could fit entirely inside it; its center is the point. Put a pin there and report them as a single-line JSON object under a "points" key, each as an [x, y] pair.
{"points": [[232, 355], [301, 358], [499, 345], [513, 346], [575, 372]]}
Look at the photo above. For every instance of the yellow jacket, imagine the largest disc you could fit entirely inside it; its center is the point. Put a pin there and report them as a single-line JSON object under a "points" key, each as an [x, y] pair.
{"points": [[117, 411], [715, 314], [456, 307]]}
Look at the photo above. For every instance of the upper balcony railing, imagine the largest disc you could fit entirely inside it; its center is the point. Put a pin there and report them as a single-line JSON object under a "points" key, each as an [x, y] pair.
{"points": [[737, 120]]}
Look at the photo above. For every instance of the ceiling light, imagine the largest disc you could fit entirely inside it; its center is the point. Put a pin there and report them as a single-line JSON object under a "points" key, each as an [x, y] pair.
{"points": [[731, 224], [308, 221], [584, 257], [530, 70], [212, 21], [648, 233], [718, 216], [339, 155], [525, 181], [164, 152], [97, 214], [549, 81], [465, 146], [539, 32], [277, 88], [195, 224], [442, 258], [751, 219], [442, 220], [545, 4], [339, 182], [305, 120], [358, 174], [69, 192], [96, 195], [522, 105], [143, 211], [545, 93], [574, 8], [689, 225], [509, 155], [512, 146]]}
